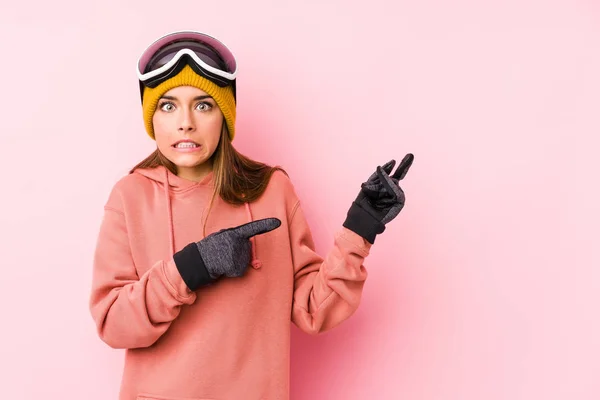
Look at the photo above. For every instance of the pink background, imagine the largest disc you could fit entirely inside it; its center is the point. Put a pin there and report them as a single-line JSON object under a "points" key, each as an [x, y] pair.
{"points": [[486, 286]]}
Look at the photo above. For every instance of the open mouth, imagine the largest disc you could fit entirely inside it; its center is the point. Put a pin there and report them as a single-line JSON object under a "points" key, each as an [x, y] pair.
{"points": [[186, 145]]}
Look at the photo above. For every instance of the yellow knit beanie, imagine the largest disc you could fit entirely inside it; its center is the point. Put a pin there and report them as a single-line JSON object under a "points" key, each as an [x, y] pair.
{"points": [[223, 96]]}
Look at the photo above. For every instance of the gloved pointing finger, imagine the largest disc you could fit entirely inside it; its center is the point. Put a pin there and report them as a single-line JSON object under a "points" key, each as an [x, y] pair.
{"points": [[403, 167], [258, 227]]}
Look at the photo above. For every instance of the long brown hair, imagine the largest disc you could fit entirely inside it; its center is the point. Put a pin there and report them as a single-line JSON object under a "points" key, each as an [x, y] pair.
{"points": [[237, 179]]}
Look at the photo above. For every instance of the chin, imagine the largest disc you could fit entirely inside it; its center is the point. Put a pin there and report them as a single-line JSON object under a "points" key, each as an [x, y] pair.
{"points": [[186, 162]]}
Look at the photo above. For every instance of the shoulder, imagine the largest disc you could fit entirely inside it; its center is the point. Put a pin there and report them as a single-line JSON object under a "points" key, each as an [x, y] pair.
{"points": [[281, 190], [126, 188], [281, 180]]}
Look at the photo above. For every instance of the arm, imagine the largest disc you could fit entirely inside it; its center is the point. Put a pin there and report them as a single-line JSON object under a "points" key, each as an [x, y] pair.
{"points": [[326, 291], [131, 311]]}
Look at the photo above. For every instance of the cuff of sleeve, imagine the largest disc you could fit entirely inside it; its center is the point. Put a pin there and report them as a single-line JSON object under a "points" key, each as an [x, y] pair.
{"points": [[359, 243], [177, 287], [191, 267], [362, 223]]}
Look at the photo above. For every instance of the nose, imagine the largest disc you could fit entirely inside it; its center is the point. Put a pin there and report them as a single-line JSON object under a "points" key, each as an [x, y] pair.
{"points": [[186, 123]]}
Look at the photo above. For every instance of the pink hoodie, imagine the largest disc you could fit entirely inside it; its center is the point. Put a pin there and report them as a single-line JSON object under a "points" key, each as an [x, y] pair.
{"points": [[229, 340]]}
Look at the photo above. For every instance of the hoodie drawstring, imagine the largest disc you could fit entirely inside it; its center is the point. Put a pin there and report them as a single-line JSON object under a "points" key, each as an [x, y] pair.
{"points": [[169, 213], [256, 263]]}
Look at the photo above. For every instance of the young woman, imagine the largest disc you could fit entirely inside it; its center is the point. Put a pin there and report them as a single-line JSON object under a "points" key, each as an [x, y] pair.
{"points": [[204, 255]]}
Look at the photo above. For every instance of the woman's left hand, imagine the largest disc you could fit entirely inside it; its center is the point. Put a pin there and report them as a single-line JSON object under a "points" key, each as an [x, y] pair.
{"points": [[379, 200]]}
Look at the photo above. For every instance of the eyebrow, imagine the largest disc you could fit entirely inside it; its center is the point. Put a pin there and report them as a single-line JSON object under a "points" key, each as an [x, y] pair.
{"points": [[194, 99]]}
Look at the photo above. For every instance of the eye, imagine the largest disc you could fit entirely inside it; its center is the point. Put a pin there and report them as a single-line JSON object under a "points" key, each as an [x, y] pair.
{"points": [[204, 106], [170, 105]]}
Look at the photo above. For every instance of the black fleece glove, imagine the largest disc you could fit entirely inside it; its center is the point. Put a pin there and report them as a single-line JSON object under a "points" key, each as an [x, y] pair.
{"points": [[223, 253], [379, 200]]}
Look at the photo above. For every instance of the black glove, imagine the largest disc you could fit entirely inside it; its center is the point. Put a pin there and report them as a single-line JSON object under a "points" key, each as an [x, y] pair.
{"points": [[223, 253], [379, 200]]}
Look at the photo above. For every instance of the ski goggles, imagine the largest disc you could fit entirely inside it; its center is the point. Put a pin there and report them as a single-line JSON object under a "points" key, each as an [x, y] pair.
{"points": [[167, 56]]}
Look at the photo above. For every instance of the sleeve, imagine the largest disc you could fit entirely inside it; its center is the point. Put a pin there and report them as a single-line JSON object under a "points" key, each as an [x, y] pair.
{"points": [[131, 311], [326, 291]]}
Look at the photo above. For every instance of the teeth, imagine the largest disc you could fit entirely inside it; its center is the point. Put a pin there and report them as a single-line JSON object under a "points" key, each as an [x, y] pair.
{"points": [[184, 145]]}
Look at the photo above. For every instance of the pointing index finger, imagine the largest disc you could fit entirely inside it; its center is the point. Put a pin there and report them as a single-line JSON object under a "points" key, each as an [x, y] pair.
{"points": [[258, 227], [404, 166]]}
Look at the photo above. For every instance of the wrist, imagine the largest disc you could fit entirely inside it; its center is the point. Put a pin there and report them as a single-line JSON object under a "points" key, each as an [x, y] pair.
{"points": [[191, 267], [361, 222]]}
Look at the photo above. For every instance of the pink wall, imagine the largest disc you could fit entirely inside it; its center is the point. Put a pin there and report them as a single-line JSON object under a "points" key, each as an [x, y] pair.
{"points": [[485, 287]]}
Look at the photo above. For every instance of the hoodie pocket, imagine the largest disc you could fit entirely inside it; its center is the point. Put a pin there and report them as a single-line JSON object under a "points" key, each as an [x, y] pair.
{"points": [[156, 397]]}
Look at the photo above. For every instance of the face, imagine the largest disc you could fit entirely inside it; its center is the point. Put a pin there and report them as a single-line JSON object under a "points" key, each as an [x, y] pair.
{"points": [[190, 117]]}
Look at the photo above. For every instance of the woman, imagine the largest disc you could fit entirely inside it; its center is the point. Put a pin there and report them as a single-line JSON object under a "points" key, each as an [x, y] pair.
{"points": [[204, 255]]}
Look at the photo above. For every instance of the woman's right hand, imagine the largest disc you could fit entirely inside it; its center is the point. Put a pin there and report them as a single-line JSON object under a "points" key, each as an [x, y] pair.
{"points": [[228, 251], [224, 253]]}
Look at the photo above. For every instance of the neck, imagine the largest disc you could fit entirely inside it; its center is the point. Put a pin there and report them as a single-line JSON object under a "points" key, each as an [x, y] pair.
{"points": [[195, 174]]}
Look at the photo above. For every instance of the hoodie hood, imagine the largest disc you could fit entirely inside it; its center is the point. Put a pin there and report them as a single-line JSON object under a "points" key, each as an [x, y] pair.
{"points": [[163, 175], [173, 183]]}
